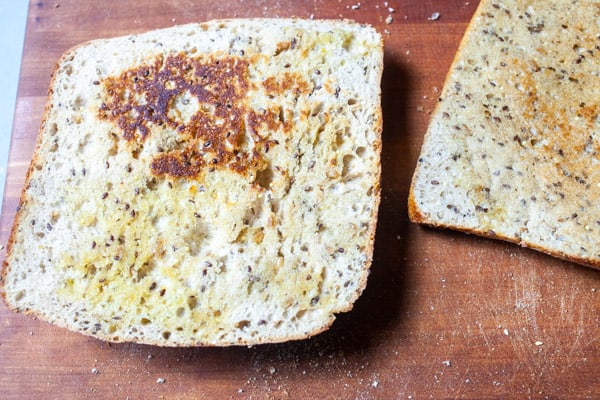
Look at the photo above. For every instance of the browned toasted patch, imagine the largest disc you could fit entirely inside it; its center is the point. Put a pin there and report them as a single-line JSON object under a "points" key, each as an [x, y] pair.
{"points": [[144, 101]]}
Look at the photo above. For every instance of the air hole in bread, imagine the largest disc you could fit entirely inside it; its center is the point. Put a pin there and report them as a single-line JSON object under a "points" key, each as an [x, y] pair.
{"points": [[242, 324], [192, 301], [145, 321], [265, 177], [316, 109], [68, 68], [144, 270], [152, 183], [166, 335], [180, 312], [90, 269], [135, 153], [53, 129], [53, 148], [361, 151], [114, 148], [78, 103], [20, 294], [339, 137], [347, 168]]}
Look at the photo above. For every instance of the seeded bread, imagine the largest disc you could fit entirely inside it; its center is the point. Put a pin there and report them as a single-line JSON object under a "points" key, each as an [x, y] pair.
{"points": [[512, 150], [205, 184]]}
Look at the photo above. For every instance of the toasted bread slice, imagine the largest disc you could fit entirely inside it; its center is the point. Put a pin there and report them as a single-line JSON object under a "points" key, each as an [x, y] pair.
{"points": [[512, 150], [205, 184]]}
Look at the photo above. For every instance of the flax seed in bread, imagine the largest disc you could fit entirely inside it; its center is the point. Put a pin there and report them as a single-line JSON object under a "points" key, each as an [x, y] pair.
{"points": [[205, 184], [512, 150]]}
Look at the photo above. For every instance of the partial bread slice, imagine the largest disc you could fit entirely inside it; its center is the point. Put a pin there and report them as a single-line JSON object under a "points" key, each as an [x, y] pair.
{"points": [[205, 184], [512, 150]]}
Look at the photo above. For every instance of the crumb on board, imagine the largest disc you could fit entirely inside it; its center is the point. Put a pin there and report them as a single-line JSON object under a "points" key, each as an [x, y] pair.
{"points": [[389, 19], [434, 17]]}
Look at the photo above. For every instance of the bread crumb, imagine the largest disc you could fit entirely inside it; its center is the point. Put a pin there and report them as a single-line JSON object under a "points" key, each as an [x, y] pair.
{"points": [[355, 6], [161, 380], [434, 17], [272, 370], [389, 19], [505, 331], [539, 343], [95, 371], [447, 363]]}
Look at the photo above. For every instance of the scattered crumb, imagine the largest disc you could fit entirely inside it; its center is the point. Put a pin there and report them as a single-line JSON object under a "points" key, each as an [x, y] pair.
{"points": [[375, 384], [447, 363], [272, 370], [386, 31], [391, 10], [30, 333], [240, 390], [505, 331], [389, 19], [161, 380], [95, 371], [434, 17], [355, 6], [539, 343], [1, 247]]}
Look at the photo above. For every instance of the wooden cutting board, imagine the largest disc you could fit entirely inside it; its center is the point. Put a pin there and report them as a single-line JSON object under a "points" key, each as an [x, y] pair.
{"points": [[444, 315]]}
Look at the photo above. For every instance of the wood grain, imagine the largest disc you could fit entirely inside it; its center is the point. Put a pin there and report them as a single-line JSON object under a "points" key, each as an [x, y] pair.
{"points": [[444, 315]]}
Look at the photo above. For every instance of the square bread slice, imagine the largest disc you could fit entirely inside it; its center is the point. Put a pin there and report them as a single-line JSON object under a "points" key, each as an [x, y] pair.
{"points": [[512, 150], [205, 184]]}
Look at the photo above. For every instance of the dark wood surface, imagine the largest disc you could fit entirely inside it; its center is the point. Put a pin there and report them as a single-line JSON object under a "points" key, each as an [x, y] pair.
{"points": [[444, 315]]}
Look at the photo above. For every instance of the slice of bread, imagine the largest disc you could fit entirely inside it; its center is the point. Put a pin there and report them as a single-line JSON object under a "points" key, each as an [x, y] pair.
{"points": [[205, 184], [512, 150]]}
